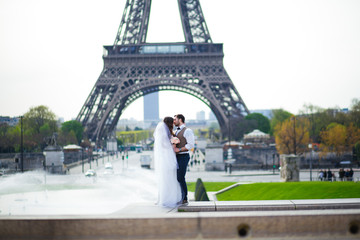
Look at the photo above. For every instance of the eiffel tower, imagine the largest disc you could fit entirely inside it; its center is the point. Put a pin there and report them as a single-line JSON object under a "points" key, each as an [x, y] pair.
{"points": [[134, 68]]}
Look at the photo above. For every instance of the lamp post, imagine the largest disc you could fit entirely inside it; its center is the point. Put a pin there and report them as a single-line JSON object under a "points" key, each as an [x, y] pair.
{"points": [[229, 128], [273, 163], [294, 118], [229, 117], [266, 163], [310, 146], [22, 144], [82, 157], [89, 160]]}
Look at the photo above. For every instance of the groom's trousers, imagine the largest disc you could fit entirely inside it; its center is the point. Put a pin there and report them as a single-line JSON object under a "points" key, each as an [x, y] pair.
{"points": [[183, 160]]}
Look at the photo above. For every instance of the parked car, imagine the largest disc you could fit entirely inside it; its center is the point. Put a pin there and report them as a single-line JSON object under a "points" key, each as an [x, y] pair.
{"points": [[145, 161], [108, 166], [90, 173]]}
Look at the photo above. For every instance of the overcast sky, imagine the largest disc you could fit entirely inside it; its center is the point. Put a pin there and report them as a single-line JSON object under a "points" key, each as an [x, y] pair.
{"points": [[279, 54]]}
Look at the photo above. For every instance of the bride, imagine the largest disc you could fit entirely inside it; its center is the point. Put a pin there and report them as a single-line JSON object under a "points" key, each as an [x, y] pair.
{"points": [[166, 165]]}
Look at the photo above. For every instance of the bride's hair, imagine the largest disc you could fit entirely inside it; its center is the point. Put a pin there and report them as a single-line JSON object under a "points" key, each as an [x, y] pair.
{"points": [[169, 121]]}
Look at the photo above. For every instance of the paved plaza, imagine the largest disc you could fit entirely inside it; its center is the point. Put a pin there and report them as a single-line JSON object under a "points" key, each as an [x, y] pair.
{"points": [[122, 206], [198, 171]]}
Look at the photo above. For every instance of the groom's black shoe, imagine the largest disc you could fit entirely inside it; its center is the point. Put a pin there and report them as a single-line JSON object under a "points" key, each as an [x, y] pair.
{"points": [[185, 202]]}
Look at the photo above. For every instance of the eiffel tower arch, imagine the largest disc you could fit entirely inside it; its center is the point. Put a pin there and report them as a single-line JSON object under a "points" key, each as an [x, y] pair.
{"points": [[134, 68]]}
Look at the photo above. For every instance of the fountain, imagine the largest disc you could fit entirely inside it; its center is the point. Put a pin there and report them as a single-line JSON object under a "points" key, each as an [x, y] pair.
{"points": [[75, 194]]}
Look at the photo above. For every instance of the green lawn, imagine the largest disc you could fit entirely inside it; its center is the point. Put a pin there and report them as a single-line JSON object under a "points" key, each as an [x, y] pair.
{"points": [[210, 186], [291, 190]]}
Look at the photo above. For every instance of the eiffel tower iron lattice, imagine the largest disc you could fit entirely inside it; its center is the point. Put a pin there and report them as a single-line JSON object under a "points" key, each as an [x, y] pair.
{"points": [[134, 68]]}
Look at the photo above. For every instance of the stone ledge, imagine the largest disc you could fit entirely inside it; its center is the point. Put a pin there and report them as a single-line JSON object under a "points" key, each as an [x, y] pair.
{"points": [[254, 205], [278, 205], [328, 204], [322, 224], [208, 206]]}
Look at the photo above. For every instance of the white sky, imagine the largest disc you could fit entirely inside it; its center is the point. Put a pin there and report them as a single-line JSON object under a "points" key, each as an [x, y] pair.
{"points": [[279, 54]]}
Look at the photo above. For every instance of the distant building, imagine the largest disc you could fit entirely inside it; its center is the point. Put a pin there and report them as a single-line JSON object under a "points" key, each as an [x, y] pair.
{"points": [[257, 139], [200, 116], [336, 111], [130, 123], [11, 121], [151, 107]]}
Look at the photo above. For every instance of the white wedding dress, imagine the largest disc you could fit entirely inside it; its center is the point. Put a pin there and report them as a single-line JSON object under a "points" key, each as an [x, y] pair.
{"points": [[166, 168]]}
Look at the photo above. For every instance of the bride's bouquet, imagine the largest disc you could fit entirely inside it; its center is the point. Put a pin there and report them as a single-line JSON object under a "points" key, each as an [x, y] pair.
{"points": [[174, 140]]}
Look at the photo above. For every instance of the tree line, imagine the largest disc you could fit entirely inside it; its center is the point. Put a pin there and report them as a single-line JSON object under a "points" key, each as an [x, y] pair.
{"points": [[327, 130], [39, 123]]}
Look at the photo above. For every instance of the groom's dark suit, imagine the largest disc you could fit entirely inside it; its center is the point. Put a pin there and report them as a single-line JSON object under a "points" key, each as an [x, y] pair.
{"points": [[183, 160]]}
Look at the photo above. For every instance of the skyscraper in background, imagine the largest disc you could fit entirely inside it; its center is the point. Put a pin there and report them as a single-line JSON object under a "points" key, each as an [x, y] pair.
{"points": [[151, 108], [200, 116]]}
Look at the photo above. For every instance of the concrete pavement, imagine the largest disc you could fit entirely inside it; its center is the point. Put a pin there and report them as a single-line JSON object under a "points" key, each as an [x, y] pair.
{"points": [[287, 219]]}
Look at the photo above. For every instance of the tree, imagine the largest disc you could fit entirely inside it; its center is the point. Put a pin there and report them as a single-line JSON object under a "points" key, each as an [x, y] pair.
{"points": [[119, 141], [292, 136], [66, 138], [241, 127], [320, 118], [314, 114], [339, 138], [355, 112], [8, 138], [39, 122], [356, 152], [278, 116], [262, 122], [334, 139], [128, 137], [36, 117], [75, 127], [352, 136]]}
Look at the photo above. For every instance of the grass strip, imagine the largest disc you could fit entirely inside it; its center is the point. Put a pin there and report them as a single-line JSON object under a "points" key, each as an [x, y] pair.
{"points": [[291, 191], [210, 186]]}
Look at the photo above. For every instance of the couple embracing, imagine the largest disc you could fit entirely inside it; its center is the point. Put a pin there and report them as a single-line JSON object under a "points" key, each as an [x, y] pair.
{"points": [[171, 157]]}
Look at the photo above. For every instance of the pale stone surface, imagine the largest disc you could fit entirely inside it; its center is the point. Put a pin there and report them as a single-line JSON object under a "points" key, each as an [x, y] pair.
{"points": [[290, 168], [323, 224], [214, 154], [272, 205], [206, 206], [254, 205], [54, 158], [214, 157]]}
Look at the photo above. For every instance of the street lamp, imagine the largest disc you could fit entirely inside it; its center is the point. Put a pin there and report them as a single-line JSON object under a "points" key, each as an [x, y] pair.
{"points": [[22, 143], [229, 127], [294, 118], [82, 156], [273, 163], [311, 150]]}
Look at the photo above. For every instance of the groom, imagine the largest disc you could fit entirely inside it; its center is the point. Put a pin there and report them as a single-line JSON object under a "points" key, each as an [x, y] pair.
{"points": [[186, 137]]}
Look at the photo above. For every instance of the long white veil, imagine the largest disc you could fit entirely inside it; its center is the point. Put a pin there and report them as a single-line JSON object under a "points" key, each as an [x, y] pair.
{"points": [[166, 167]]}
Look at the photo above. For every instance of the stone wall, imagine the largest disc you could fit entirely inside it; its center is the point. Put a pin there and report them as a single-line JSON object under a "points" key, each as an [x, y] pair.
{"points": [[12, 161], [32, 161]]}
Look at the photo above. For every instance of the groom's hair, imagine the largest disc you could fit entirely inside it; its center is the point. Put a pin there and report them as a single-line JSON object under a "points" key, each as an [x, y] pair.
{"points": [[180, 116]]}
